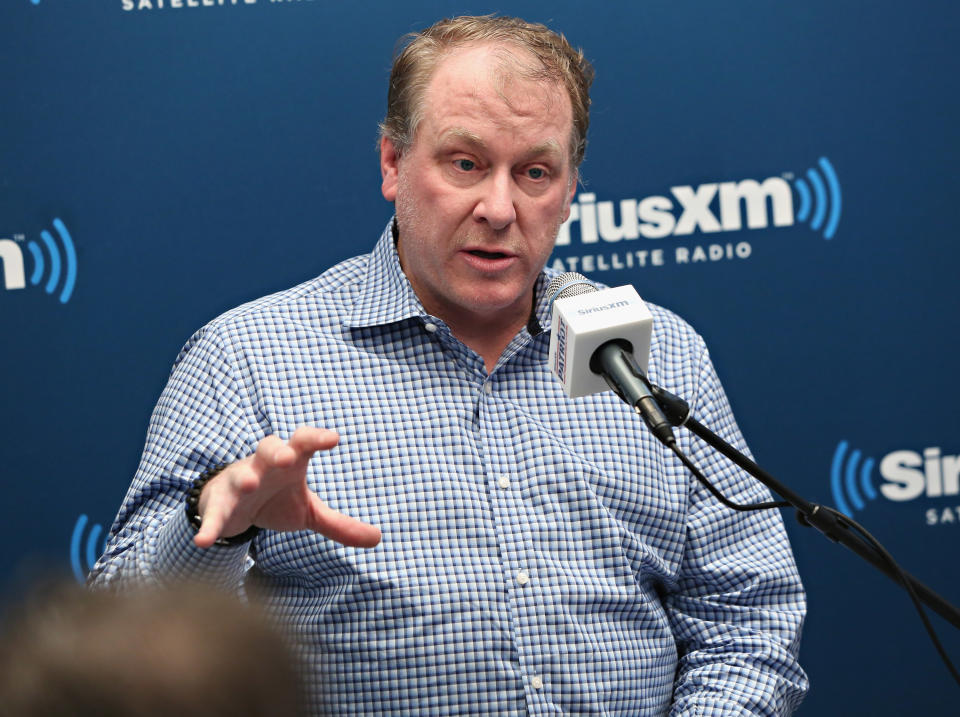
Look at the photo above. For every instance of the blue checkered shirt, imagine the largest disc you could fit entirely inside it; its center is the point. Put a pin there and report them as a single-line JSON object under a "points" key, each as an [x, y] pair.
{"points": [[540, 555]]}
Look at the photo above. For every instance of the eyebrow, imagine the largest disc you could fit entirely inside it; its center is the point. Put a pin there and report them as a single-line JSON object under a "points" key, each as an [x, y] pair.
{"points": [[547, 147], [463, 134]]}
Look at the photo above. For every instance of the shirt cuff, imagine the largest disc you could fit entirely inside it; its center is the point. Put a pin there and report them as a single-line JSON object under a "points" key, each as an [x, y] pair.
{"points": [[178, 557]]}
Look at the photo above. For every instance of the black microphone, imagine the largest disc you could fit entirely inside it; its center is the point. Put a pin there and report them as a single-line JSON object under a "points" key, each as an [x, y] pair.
{"points": [[595, 334]]}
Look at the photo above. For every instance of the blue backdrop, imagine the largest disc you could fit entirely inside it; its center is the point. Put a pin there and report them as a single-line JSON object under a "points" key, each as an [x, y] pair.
{"points": [[783, 175]]}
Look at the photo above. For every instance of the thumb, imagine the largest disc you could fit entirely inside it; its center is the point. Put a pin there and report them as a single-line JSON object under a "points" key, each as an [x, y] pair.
{"points": [[342, 528]]}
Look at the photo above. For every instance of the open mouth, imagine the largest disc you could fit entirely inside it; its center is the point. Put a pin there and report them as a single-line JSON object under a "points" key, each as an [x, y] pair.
{"points": [[488, 254]]}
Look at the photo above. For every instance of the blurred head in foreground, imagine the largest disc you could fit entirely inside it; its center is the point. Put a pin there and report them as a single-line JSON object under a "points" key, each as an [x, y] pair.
{"points": [[180, 651]]}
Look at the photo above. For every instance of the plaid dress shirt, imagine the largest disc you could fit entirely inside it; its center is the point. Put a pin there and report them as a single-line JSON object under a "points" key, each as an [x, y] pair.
{"points": [[540, 555]]}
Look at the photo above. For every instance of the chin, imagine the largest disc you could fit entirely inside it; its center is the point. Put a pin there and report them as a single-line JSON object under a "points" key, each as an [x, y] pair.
{"points": [[491, 304]]}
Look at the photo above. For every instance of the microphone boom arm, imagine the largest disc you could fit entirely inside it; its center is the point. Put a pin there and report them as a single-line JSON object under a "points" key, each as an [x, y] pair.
{"points": [[820, 517]]}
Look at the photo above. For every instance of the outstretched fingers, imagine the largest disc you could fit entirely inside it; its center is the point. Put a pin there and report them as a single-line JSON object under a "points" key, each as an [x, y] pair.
{"points": [[308, 440], [273, 452], [269, 489], [342, 528]]}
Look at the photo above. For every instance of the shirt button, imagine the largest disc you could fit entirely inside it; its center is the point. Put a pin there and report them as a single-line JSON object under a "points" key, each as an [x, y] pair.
{"points": [[536, 682], [430, 328], [523, 578], [488, 388], [503, 482]]}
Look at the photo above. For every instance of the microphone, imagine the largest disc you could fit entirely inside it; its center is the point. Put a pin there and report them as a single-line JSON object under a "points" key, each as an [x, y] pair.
{"points": [[595, 338]]}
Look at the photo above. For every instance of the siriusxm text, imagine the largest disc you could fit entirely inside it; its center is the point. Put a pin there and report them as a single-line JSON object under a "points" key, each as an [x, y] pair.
{"points": [[11, 258], [709, 208], [910, 475], [604, 307]]}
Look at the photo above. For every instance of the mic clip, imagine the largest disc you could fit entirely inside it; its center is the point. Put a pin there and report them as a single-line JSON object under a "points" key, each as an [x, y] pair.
{"points": [[614, 361]]}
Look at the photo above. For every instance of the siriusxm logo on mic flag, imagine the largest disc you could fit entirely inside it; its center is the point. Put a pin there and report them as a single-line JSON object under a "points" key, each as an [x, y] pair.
{"points": [[583, 322]]}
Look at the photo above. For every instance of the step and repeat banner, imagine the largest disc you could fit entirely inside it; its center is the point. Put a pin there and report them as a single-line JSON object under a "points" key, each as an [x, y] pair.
{"points": [[784, 176]]}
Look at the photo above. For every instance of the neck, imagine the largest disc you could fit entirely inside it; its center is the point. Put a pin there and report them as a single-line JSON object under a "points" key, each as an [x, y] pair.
{"points": [[488, 341]]}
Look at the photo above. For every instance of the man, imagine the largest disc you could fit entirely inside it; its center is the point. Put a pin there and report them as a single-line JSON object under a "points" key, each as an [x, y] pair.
{"points": [[538, 554]]}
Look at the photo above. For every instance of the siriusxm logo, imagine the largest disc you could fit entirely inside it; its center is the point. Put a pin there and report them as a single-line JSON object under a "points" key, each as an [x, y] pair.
{"points": [[84, 550], [906, 475], [594, 309], [713, 207], [60, 260]]}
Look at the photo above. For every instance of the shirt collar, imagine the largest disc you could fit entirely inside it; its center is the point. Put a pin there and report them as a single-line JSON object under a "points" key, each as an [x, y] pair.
{"points": [[386, 295], [540, 316]]}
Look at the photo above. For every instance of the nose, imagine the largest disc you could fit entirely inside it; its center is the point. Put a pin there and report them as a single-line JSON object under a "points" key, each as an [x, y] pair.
{"points": [[496, 204]]}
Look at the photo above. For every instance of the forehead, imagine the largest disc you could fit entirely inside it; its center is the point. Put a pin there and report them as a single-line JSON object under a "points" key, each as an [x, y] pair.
{"points": [[495, 85]]}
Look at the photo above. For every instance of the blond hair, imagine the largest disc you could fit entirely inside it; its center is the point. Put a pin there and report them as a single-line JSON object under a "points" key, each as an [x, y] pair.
{"points": [[415, 61]]}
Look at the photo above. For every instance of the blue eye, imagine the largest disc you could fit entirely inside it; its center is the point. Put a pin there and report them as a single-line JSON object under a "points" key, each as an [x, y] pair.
{"points": [[466, 165], [536, 173]]}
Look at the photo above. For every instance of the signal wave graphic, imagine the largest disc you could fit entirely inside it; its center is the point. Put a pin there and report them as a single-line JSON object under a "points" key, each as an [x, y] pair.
{"points": [[66, 264], [816, 207], [848, 478], [92, 547]]}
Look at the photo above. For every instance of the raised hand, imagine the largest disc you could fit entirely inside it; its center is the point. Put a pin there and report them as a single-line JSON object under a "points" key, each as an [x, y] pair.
{"points": [[269, 490]]}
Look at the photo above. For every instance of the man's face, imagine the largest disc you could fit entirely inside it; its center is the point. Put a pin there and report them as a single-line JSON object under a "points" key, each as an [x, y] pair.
{"points": [[483, 189]]}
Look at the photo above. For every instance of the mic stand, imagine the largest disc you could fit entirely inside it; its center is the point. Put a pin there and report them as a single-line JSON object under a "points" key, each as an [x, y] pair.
{"points": [[809, 514]]}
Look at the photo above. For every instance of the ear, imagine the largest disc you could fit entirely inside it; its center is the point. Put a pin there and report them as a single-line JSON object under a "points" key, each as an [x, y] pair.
{"points": [[574, 178], [389, 169]]}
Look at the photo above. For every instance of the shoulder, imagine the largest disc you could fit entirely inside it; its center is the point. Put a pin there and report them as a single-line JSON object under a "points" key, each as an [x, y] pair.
{"points": [[678, 354], [318, 305], [672, 331]]}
